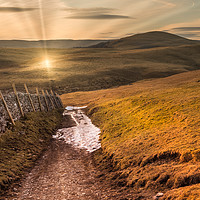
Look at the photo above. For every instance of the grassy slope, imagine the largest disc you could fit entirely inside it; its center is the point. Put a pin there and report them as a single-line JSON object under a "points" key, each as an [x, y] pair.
{"points": [[20, 147], [150, 133], [91, 69], [147, 40]]}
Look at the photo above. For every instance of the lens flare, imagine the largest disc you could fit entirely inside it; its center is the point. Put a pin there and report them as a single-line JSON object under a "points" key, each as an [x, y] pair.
{"points": [[43, 28], [47, 63]]}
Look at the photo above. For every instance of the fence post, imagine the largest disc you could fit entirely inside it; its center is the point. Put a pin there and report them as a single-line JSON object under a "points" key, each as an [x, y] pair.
{"points": [[18, 101], [60, 101], [50, 99], [26, 88], [45, 100], [39, 99], [54, 99], [5, 104]]}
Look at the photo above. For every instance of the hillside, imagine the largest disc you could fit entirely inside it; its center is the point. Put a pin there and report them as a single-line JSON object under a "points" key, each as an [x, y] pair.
{"points": [[63, 44], [22, 145], [150, 134], [86, 69], [147, 40]]}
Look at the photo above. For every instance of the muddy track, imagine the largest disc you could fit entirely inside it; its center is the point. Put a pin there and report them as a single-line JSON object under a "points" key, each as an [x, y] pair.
{"points": [[62, 173]]}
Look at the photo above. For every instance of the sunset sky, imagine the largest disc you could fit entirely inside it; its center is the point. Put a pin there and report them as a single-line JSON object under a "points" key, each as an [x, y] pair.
{"points": [[92, 19]]}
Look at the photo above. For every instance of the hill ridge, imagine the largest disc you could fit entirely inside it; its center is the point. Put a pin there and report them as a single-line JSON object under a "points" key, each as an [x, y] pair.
{"points": [[147, 40]]}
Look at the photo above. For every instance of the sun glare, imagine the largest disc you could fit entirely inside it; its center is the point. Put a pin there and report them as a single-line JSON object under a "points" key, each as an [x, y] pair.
{"points": [[47, 63]]}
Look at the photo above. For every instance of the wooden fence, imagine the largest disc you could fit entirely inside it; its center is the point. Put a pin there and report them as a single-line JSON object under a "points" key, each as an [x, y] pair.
{"points": [[15, 105]]}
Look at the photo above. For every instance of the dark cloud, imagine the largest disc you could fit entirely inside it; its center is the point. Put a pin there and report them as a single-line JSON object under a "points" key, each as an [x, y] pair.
{"points": [[101, 16], [15, 9], [90, 10], [190, 35], [94, 13], [106, 33], [186, 29]]}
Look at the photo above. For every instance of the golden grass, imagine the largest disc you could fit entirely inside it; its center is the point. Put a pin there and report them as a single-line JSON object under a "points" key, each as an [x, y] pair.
{"points": [[186, 193], [91, 69], [150, 131]]}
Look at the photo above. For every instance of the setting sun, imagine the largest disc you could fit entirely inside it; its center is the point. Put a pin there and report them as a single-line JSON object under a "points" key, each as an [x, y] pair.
{"points": [[47, 63]]}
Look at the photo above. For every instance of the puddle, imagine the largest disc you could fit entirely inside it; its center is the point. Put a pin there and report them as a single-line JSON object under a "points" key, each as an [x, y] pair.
{"points": [[84, 135]]}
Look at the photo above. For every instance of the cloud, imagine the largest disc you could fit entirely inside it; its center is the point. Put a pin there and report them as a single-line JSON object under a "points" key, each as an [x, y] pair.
{"points": [[189, 35], [16, 9], [166, 3], [192, 32], [94, 13], [101, 16], [186, 29], [129, 34], [106, 33], [90, 10]]}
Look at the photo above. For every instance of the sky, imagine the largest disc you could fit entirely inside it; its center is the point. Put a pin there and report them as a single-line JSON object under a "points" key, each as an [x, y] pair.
{"points": [[96, 19]]}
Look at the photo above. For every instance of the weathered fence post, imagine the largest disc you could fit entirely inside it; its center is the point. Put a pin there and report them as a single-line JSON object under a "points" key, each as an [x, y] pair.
{"points": [[60, 101], [50, 99], [18, 101], [45, 100], [26, 88], [5, 104], [39, 99], [52, 93]]}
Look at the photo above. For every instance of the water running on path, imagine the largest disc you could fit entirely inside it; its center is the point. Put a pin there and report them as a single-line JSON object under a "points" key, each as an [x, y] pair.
{"points": [[67, 173], [84, 135]]}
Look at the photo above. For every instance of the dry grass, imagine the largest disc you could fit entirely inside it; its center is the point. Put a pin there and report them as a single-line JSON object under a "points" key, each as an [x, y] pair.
{"points": [[91, 69], [185, 193], [150, 132], [21, 146]]}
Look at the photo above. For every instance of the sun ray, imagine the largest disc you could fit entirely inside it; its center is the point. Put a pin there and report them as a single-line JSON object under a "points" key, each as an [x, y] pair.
{"points": [[193, 4], [43, 29]]}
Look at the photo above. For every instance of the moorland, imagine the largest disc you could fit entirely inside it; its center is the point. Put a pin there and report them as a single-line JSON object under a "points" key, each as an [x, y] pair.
{"points": [[142, 91], [84, 69]]}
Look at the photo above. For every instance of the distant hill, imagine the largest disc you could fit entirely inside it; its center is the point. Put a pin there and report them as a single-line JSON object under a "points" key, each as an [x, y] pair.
{"points": [[147, 40], [50, 43]]}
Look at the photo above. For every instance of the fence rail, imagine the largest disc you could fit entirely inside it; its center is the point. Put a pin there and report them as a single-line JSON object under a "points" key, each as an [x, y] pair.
{"points": [[15, 104]]}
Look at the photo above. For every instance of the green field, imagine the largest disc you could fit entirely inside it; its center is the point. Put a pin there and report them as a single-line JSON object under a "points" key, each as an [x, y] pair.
{"points": [[91, 69]]}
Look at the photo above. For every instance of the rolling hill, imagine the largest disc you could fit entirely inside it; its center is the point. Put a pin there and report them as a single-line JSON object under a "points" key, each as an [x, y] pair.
{"points": [[147, 40], [84, 69], [91, 69]]}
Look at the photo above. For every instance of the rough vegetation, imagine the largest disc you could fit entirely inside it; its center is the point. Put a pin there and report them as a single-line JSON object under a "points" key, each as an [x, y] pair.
{"points": [[150, 129], [23, 144], [86, 69], [150, 134]]}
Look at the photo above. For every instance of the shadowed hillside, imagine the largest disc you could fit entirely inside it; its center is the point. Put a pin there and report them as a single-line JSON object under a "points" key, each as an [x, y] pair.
{"points": [[150, 134], [147, 40], [63, 44], [86, 69]]}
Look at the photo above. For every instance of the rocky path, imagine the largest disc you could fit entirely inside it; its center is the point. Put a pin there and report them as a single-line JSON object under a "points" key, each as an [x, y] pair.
{"points": [[64, 172]]}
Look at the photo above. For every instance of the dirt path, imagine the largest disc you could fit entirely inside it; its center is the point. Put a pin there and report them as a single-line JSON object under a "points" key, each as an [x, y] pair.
{"points": [[63, 173]]}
